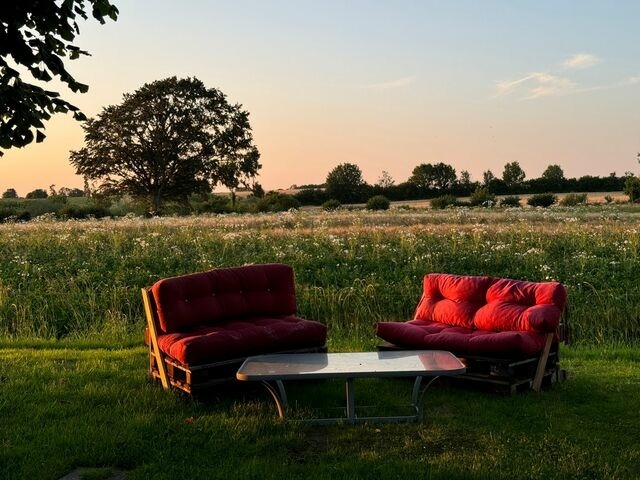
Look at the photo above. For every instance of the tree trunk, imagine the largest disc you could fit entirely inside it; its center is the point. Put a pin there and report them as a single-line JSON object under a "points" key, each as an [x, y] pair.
{"points": [[156, 202]]}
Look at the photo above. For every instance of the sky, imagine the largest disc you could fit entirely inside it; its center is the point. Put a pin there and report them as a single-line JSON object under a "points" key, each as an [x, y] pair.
{"points": [[384, 84]]}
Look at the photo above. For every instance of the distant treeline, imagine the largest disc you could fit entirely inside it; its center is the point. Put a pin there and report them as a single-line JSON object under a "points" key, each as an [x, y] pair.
{"points": [[317, 195]]}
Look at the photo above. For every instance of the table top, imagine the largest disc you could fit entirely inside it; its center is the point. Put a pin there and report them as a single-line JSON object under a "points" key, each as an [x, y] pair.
{"points": [[404, 363]]}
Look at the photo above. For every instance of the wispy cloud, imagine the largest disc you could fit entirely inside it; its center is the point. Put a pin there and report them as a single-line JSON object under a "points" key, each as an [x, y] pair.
{"points": [[580, 61], [631, 80], [397, 83], [545, 84], [535, 85]]}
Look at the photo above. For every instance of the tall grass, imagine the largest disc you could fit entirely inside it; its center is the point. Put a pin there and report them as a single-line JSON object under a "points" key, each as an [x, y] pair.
{"points": [[81, 279]]}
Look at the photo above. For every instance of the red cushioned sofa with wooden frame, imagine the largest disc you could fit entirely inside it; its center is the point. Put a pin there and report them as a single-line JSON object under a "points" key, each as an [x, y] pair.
{"points": [[506, 331], [202, 326]]}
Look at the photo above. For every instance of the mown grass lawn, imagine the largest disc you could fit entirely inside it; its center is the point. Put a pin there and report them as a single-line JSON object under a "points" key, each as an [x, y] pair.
{"points": [[65, 406]]}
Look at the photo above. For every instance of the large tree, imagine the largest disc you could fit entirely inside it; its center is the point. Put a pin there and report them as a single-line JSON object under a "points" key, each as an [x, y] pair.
{"points": [[553, 173], [345, 183], [513, 175], [239, 170], [167, 140], [487, 177], [552, 179], [441, 177], [37, 35]]}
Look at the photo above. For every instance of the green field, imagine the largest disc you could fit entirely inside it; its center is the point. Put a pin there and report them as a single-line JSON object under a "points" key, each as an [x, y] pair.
{"points": [[81, 279], [73, 386]]}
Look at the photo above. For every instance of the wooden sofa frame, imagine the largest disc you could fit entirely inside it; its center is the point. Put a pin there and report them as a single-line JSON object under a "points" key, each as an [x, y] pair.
{"points": [[191, 379], [511, 375]]}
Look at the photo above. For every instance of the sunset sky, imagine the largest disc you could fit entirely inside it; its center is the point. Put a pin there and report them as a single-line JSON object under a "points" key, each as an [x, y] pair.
{"points": [[383, 84]]}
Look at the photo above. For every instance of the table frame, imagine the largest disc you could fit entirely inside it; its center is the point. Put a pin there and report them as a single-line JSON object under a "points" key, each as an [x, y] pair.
{"points": [[275, 386]]}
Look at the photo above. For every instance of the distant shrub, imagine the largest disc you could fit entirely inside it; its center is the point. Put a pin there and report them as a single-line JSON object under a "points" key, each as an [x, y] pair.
{"points": [[543, 200], [82, 211], [58, 199], [213, 204], [632, 188], [378, 202], [312, 196], [11, 214], [331, 205], [482, 196], [277, 202], [510, 201], [37, 193], [573, 199], [443, 201], [247, 204], [10, 193]]}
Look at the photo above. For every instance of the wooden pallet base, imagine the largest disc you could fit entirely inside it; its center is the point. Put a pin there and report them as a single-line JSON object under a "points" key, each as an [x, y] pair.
{"points": [[202, 378], [504, 375]]}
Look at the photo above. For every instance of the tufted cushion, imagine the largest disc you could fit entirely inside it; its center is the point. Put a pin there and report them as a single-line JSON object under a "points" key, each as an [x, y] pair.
{"points": [[452, 299], [523, 306], [239, 338], [223, 294], [420, 334]]}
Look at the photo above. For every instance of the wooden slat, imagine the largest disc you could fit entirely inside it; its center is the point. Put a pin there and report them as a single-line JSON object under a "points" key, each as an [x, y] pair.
{"points": [[542, 363], [153, 333]]}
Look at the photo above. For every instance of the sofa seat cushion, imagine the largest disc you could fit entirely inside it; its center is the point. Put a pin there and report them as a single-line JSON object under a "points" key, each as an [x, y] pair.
{"points": [[241, 338], [424, 334]]}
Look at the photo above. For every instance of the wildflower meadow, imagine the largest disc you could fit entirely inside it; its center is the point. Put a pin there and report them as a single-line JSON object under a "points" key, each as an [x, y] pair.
{"points": [[81, 279]]}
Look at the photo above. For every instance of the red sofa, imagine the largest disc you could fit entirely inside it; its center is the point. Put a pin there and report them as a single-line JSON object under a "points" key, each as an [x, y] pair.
{"points": [[201, 326], [506, 330]]}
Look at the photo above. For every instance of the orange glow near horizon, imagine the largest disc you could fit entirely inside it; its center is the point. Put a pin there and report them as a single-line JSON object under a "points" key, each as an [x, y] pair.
{"points": [[401, 89]]}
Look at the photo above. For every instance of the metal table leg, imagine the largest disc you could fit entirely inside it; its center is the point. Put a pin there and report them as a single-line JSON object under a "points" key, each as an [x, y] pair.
{"points": [[277, 391], [279, 396], [417, 395], [351, 402]]}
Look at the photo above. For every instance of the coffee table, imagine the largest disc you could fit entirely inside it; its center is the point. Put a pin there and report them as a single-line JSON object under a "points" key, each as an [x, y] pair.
{"points": [[305, 366]]}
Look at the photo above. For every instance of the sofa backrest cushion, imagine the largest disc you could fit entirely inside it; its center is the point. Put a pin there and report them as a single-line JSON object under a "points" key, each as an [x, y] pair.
{"points": [[225, 293], [522, 305], [452, 299]]}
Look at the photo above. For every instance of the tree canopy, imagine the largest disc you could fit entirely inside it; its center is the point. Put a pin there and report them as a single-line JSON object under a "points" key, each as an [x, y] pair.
{"points": [[487, 177], [37, 193], [554, 173], [513, 174], [345, 183], [38, 35], [10, 193], [433, 177], [167, 140]]}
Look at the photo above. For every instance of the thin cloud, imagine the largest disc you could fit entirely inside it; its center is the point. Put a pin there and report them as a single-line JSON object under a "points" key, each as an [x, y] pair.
{"points": [[631, 80], [580, 61], [398, 83], [536, 85]]}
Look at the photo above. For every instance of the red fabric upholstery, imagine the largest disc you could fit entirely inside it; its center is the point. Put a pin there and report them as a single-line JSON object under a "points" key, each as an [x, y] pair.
{"points": [[452, 299], [524, 306], [422, 334], [240, 338], [222, 294], [481, 316]]}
